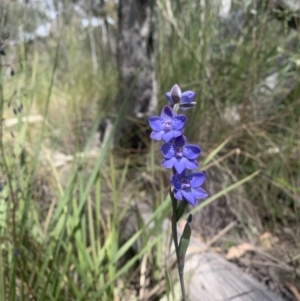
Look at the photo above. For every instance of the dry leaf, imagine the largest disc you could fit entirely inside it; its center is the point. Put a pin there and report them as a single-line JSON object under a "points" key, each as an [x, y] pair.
{"points": [[238, 251], [267, 240]]}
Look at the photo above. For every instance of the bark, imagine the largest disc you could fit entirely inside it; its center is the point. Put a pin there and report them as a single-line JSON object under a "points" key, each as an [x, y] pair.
{"points": [[135, 57]]}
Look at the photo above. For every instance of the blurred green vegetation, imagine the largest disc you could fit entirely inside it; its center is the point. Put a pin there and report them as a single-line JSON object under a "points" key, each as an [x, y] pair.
{"points": [[61, 205]]}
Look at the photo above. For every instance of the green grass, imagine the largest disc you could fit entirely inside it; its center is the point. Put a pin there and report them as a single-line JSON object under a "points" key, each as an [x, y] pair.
{"points": [[61, 226]]}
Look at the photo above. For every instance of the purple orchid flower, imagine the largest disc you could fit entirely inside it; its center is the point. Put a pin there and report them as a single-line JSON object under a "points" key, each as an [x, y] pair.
{"points": [[185, 99], [187, 186], [167, 125], [180, 155]]}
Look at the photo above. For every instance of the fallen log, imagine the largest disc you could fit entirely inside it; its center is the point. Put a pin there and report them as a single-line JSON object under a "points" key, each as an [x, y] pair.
{"points": [[210, 277]]}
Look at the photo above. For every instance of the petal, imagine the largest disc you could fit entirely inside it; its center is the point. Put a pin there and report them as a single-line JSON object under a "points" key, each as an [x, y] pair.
{"points": [[187, 97], [175, 94], [178, 122], [180, 141], [199, 193], [191, 151], [167, 136], [176, 133], [185, 106], [156, 135], [175, 181], [196, 179], [167, 113], [190, 164], [183, 174], [156, 123], [179, 165], [167, 150], [169, 99], [167, 163], [178, 194], [188, 195]]}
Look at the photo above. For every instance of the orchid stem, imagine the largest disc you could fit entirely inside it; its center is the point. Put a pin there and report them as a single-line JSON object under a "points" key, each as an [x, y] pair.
{"points": [[175, 239]]}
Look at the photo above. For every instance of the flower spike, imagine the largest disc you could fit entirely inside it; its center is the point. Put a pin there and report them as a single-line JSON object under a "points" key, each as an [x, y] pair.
{"points": [[181, 157]]}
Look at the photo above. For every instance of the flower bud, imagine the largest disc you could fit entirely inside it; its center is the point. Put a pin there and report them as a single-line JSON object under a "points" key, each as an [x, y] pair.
{"points": [[175, 94]]}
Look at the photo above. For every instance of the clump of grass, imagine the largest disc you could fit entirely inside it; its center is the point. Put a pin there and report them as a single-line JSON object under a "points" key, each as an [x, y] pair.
{"points": [[69, 247]]}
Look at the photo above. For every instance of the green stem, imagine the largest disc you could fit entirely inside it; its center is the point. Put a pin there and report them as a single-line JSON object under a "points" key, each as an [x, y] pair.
{"points": [[175, 238], [2, 287]]}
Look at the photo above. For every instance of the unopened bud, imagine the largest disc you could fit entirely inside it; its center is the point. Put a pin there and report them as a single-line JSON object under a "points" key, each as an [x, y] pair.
{"points": [[176, 94]]}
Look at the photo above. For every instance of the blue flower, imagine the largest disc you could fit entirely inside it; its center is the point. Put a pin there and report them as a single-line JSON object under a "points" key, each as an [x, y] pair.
{"points": [[185, 99], [167, 125], [180, 155], [188, 186]]}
